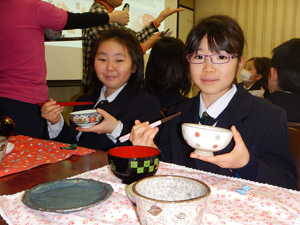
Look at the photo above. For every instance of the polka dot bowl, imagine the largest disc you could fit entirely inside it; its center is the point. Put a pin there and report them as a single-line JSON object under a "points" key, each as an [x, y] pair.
{"points": [[205, 139]]}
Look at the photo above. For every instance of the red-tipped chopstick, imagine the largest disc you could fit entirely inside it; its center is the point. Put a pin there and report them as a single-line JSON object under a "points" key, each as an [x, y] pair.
{"points": [[71, 103]]}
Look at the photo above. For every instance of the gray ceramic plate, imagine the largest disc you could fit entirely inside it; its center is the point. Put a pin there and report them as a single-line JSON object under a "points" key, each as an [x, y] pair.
{"points": [[65, 196]]}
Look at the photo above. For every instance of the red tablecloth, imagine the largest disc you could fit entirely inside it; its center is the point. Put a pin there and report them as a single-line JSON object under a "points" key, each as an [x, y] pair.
{"points": [[31, 152]]}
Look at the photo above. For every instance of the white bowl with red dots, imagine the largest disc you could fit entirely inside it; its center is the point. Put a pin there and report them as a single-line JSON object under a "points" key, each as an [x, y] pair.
{"points": [[205, 139]]}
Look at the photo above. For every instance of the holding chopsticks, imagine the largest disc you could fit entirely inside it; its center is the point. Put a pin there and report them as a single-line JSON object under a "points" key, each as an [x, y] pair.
{"points": [[155, 124], [70, 103]]}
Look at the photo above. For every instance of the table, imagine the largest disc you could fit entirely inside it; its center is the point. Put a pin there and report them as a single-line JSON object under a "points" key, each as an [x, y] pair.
{"points": [[262, 204], [72, 166]]}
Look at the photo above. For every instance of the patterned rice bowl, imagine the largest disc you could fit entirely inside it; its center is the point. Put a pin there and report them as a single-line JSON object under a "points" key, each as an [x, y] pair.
{"points": [[86, 118]]}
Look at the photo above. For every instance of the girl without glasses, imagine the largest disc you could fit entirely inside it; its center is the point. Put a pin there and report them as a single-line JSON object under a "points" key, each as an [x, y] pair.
{"points": [[255, 74], [116, 74], [259, 150], [165, 75]]}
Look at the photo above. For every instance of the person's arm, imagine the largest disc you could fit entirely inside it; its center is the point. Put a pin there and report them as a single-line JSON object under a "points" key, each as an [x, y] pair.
{"points": [[166, 13], [85, 20]]}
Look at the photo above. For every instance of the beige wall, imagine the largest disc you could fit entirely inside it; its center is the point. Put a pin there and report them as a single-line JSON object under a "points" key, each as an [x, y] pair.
{"points": [[266, 23]]}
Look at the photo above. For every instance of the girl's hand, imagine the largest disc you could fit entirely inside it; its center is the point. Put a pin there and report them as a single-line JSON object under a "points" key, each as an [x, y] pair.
{"points": [[235, 159], [51, 111], [152, 40], [107, 125], [143, 134], [167, 12]]}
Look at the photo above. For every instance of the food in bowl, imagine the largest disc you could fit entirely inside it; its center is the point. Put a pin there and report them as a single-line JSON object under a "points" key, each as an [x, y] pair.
{"points": [[170, 199], [86, 118], [132, 163], [205, 139]]}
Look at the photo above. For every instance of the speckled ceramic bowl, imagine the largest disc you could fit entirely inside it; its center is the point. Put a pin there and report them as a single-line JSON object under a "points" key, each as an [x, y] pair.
{"points": [[86, 118], [206, 139], [132, 163], [170, 200]]}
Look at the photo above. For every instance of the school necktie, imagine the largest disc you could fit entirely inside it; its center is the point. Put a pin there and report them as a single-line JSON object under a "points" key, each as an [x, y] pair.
{"points": [[206, 119]]}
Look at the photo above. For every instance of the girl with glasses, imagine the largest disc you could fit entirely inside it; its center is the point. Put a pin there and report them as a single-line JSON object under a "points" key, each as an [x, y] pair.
{"points": [[259, 149]]}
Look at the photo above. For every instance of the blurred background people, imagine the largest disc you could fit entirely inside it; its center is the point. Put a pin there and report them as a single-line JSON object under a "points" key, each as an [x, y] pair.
{"points": [[107, 6], [255, 74], [284, 79], [116, 72], [22, 57], [166, 73]]}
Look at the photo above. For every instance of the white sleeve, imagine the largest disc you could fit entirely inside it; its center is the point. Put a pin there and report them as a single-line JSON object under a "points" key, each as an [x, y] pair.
{"points": [[55, 129], [116, 133]]}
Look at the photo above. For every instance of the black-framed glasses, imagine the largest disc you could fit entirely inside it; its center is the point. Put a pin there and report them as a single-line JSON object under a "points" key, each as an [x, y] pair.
{"points": [[219, 58]]}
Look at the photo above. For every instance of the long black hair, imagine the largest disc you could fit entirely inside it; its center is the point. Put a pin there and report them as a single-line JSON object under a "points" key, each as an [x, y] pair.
{"points": [[166, 69]]}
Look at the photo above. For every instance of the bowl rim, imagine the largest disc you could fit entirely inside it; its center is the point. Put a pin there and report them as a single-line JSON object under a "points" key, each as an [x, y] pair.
{"points": [[3, 138], [206, 127], [84, 111], [109, 153], [171, 176]]}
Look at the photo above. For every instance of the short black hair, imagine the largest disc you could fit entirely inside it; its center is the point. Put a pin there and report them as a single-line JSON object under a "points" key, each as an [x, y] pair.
{"points": [[223, 34], [286, 60]]}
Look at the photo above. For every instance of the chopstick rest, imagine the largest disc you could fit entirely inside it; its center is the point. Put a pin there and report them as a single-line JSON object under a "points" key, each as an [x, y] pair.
{"points": [[243, 190]]}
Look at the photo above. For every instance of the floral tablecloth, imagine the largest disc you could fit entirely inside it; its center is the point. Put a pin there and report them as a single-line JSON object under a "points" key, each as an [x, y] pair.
{"points": [[31, 152], [262, 204]]}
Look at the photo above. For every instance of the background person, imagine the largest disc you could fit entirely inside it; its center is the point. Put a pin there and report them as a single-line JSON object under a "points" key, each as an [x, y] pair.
{"points": [[284, 79], [116, 72], [166, 72], [255, 74], [108, 6], [22, 57]]}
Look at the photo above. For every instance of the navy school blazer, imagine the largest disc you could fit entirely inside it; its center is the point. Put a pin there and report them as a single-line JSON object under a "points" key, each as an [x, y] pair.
{"points": [[127, 107], [263, 127]]}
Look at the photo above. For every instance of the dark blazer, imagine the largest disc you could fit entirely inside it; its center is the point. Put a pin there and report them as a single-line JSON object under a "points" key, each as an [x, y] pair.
{"points": [[256, 86], [263, 127], [127, 107], [289, 102]]}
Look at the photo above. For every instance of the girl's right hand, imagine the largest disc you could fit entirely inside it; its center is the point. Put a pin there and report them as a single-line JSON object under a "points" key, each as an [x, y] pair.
{"points": [[51, 111], [143, 134]]}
